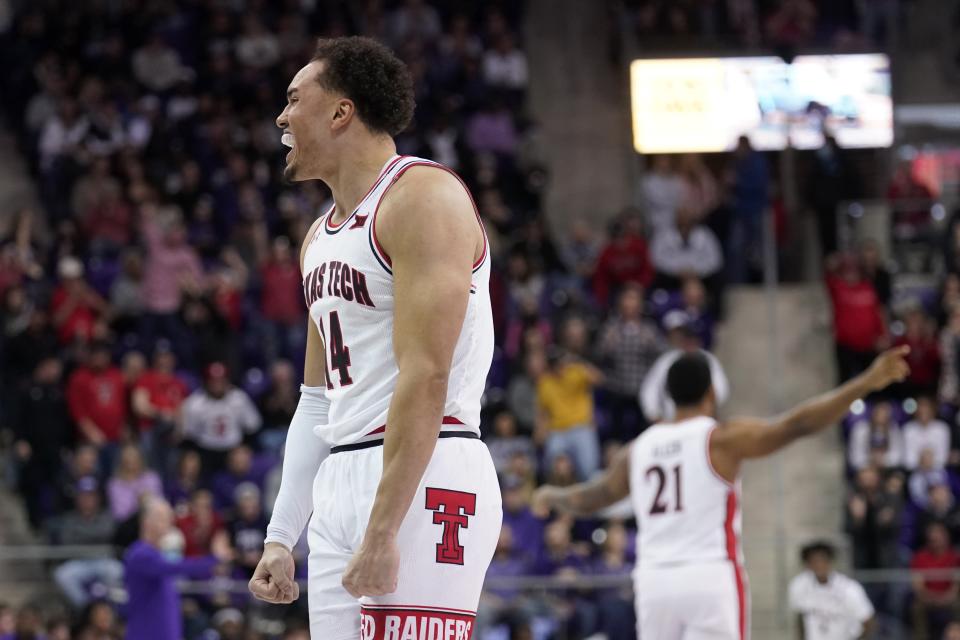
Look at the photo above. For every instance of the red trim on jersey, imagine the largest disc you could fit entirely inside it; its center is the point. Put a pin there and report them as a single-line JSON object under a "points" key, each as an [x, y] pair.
{"points": [[733, 546], [710, 462], [373, 186], [446, 420], [373, 225]]}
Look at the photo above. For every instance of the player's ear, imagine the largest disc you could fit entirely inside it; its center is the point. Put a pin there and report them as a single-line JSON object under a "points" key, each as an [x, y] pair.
{"points": [[343, 113]]}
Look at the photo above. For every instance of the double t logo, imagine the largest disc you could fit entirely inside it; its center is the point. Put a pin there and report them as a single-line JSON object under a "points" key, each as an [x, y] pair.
{"points": [[450, 508]]}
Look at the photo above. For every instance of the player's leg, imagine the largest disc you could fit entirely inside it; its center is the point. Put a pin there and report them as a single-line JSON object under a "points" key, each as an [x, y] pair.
{"points": [[722, 604], [447, 540], [334, 613]]}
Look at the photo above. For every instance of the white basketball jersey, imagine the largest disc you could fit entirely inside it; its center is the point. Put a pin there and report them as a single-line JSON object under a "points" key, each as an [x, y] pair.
{"points": [[686, 512], [348, 286]]}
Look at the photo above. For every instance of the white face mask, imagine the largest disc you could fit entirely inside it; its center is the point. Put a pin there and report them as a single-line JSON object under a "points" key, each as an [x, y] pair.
{"points": [[172, 544]]}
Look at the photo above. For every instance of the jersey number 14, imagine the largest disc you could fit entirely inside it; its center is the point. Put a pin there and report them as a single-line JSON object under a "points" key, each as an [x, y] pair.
{"points": [[338, 354]]}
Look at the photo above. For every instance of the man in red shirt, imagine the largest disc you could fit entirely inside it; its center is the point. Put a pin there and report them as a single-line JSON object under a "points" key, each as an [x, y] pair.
{"points": [[934, 598], [859, 328], [156, 398], [924, 358], [97, 398], [624, 259], [281, 302], [74, 306]]}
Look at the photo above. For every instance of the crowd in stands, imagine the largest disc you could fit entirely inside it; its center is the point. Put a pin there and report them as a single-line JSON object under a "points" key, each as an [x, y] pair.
{"points": [[902, 445], [152, 320], [781, 24]]}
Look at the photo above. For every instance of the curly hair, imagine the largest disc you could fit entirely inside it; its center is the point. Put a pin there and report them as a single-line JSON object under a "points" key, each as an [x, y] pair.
{"points": [[369, 74]]}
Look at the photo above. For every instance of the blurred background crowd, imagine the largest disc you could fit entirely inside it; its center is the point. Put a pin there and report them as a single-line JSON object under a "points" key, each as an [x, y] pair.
{"points": [[153, 325]]}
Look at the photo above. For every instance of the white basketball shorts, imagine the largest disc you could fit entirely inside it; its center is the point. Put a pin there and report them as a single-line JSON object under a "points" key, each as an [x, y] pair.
{"points": [[705, 601], [446, 540]]}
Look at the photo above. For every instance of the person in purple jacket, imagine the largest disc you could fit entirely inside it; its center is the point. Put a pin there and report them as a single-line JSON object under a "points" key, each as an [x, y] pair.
{"points": [[153, 611]]}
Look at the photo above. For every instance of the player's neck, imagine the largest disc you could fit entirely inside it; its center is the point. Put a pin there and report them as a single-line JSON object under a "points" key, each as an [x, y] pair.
{"points": [[688, 413], [357, 172]]}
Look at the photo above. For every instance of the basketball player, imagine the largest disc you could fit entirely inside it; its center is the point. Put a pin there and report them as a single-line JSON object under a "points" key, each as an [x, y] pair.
{"points": [[405, 505], [684, 481]]}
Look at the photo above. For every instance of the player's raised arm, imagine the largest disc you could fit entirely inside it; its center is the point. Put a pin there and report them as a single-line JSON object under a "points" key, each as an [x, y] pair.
{"points": [[428, 227], [742, 438], [273, 580], [588, 497]]}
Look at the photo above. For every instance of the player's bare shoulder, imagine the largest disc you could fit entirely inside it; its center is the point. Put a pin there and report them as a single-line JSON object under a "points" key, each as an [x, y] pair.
{"points": [[428, 204]]}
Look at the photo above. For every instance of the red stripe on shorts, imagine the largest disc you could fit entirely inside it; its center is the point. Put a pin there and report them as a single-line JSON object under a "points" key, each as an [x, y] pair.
{"points": [[732, 553], [446, 420]]}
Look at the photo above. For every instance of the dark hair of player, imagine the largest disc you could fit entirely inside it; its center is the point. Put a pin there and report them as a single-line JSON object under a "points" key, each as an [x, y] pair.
{"points": [[688, 379], [370, 75], [819, 546]]}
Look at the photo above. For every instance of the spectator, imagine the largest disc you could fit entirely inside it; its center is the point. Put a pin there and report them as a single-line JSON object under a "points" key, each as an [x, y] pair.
{"points": [[505, 66], [910, 199], [565, 398], [701, 191], [126, 293], [506, 442], [792, 24], [878, 440], [875, 272], [157, 66], [201, 525], [522, 390], [500, 603], [559, 555], [97, 397], [858, 326], [580, 250], [130, 483], [934, 601], [616, 611], [941, 508], [74, 306], [829, 605], [623, 260], [685, 250], [873, 520], [185, 481], [924, 357], [99, 622], [241, 468], [27, 627], [43, 434], [926, 432], [279, 401], [153, 611], [171, 269], [83, 463], [832, 180], [247, 529], [949, 391], [681, 338], [257, 47], [156, 399], [281, 302], [415, 20], [925, 476], [87, 524], [749, 179], [663, 191], [217, 416], [693, 302], [492, 129], [630, 344], [526, 526]]}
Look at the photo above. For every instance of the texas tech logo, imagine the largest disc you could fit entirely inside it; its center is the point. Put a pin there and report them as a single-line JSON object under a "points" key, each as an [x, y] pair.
{"points": [[450, 508]]}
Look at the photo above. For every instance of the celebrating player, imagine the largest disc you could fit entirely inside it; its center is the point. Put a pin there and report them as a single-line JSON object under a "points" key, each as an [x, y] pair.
{"points": [[684, 481], [406, 505]]}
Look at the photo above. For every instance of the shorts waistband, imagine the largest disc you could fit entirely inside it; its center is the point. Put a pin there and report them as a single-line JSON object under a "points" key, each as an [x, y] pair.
{"points": [[356, 446]]}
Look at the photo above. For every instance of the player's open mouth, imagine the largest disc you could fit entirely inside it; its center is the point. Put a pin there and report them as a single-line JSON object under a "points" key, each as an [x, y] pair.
{"points": [[287, 140]]}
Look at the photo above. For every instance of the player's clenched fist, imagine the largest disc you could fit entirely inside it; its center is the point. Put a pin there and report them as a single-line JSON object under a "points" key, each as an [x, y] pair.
{"points": [[889, 367], [273, 580], [373, 569]]}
